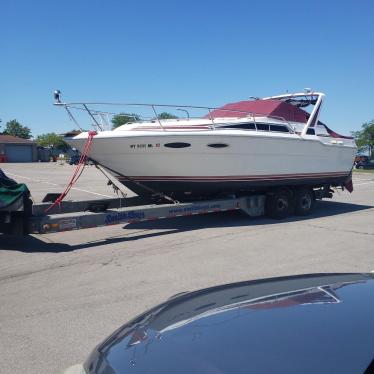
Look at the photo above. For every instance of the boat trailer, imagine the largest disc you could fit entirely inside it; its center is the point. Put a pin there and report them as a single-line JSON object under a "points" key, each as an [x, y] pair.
{"points": [[83, 214]]}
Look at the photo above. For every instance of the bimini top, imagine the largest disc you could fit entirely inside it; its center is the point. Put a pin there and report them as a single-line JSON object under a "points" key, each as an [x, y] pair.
{"points": [[268, 107]]}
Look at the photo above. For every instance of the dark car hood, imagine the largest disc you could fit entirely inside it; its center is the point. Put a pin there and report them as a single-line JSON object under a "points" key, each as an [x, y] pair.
{"points": [[313, 323]]}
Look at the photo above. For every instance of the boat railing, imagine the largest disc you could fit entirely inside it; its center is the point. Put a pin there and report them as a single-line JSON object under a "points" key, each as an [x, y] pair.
{"points": [[100, 117]]}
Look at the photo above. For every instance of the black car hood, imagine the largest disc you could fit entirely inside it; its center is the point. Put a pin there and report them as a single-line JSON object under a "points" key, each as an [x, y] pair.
{"points": [[312, 323]]}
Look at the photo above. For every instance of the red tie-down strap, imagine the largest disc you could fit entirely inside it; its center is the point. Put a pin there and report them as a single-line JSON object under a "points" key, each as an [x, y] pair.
{"points": [[78, 170]]}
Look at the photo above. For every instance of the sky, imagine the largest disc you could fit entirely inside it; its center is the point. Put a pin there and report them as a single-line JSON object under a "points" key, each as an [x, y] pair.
{"points": [[196, 53]]}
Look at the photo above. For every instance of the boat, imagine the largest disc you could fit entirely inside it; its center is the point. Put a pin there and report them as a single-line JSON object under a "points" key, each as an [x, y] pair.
{"points": [[242, 147]]}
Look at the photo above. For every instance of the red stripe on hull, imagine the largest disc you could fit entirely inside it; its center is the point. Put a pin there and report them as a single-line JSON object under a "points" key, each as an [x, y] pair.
{"points": [[236, 177]]}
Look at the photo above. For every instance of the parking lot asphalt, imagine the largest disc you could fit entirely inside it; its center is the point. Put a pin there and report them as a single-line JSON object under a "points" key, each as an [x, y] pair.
{"points": [[63, 293]]}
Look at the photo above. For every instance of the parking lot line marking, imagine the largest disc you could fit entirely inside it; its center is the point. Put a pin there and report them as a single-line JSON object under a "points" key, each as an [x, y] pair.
{"points": [[54, 184], [31, 179], [94, 193], [361, 184]]}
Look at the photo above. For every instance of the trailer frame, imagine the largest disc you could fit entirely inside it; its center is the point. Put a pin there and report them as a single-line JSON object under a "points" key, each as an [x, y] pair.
{"points": [[83, 214]]}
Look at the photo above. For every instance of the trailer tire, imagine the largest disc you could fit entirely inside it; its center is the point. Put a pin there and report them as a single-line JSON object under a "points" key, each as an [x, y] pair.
{"points": [[304, 201], [5, 228], [278, 204], [17, 225]]}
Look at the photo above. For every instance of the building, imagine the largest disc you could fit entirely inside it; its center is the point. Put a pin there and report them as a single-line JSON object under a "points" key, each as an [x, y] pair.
{"points": [[14, 149]]}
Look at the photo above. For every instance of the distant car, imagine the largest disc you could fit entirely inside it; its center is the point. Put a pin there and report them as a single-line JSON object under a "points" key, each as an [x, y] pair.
{"points": [[74, 159], [361, 158], [316, 323], [365, 164]]}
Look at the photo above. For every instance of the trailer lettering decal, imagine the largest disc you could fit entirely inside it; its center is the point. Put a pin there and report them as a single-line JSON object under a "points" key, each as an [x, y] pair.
{"points": [[124, 216], [68, 224], [190, 209]]}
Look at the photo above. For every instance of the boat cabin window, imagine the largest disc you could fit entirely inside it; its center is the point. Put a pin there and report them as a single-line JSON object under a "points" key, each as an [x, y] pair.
{"points": [[262, 126], [244, 126], [259, 126], [177, 145], [310, 132], [320, 130], [279, 128], [218, 145]]}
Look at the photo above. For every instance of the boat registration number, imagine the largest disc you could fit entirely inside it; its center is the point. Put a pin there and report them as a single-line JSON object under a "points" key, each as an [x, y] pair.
{"points": [[144, 145]]}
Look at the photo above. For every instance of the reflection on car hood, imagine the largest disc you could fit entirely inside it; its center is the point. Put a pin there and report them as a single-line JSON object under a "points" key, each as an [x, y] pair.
{"points": [[313, 323]]}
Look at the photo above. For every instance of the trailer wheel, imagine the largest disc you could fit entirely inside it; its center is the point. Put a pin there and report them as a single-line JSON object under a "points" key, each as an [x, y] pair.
{"points": [[17, 225], [278, 204], [5, 228], [304, 201]]}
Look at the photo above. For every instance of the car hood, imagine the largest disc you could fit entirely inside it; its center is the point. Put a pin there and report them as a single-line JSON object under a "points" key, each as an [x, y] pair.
{"points": [[311, 323]]}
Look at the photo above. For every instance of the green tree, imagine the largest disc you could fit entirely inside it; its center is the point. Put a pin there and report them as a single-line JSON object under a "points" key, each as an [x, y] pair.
{"points": [[14, 128], [123, 118], [166, 115], [365, 137], [52, 140]]}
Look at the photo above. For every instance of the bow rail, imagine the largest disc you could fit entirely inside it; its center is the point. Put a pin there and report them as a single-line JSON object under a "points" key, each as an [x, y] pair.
{"points": [[100, 122]]}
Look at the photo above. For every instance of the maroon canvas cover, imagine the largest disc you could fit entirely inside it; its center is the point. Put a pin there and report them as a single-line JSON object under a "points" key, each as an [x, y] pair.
{"points": [[274, 108], [334, 134]]}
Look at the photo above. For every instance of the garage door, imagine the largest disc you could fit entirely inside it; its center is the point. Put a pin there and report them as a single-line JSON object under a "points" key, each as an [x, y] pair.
{"points": [[18, 153]]}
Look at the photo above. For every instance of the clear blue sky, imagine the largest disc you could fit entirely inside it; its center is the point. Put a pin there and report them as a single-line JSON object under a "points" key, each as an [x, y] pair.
{"points": [[184, 52]]}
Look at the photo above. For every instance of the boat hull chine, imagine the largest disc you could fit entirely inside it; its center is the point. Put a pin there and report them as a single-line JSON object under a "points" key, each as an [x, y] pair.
{"points": [[218, 187]]}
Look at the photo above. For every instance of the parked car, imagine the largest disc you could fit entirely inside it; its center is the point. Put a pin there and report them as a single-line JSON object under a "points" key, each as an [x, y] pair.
{"points": [[316, 323], [365, 164], [74, 159], [361, 158]]}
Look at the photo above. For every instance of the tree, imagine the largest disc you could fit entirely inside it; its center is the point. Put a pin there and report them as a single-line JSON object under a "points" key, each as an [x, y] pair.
{"points": [[52, 140], [14, 128], [166, 115], [123, 118], [365, 137]]}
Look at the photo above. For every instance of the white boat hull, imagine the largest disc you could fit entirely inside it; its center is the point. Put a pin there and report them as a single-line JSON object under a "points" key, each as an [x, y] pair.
{"points": [[249, 161]]}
